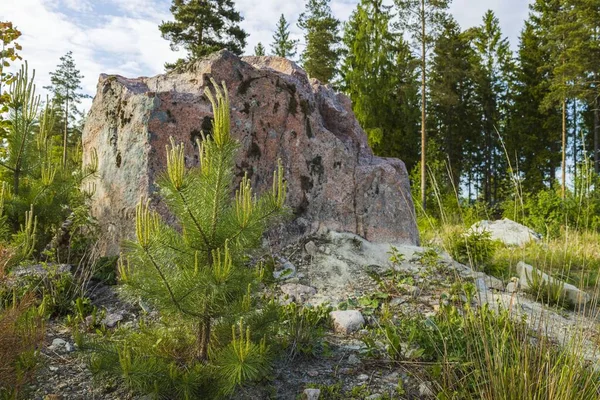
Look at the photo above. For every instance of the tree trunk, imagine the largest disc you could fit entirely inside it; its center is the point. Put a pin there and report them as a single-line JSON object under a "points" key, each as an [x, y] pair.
{"points": [[423, 132], [203, 338], [65, 133], [564, 148], [16, 177], [596, 133], [575, 146]]}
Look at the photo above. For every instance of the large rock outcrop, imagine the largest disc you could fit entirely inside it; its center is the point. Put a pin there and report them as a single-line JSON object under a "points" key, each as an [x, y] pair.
{"points": [[335, 181]]}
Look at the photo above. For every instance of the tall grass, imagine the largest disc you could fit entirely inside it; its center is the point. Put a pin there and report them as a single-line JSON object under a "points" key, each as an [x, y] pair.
{"points": [[502, 359], [491, 352]]}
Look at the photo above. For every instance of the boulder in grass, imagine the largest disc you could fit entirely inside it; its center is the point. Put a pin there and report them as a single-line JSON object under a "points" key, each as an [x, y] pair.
{"points": [[509, 232], [571, 293]]}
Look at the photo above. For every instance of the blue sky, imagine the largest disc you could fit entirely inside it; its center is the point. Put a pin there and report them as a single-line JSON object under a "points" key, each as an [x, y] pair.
{"points": [[121, 36]]}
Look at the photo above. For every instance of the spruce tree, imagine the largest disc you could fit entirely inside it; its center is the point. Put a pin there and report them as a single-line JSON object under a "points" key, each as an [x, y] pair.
{"points": [[282, 45], [259, 50], [454, 115], [196, 274], [565, 66], [533, 133], [422, 19], [321, 35], [66, 87], [378, 74], [581, 26], [494, 68], [202, 27]]}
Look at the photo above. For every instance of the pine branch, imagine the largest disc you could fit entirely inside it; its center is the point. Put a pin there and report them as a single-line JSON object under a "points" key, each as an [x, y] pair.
{"points": [[168, 286]]}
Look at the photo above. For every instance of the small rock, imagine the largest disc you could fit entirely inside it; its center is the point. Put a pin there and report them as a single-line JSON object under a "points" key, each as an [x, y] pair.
{"points": [[312, 394], [53, 368], [57, 344], [41, 270], [374, 396], [513, 286], [493, 282], [396, 301], [363, 377], [410, 289], [353, 359], [287, 271], [111, 320], [311, 248], [327, 250], [392, 378], [425, 390], [347, 321], [297, 292], [313, 373], [69, 347]]}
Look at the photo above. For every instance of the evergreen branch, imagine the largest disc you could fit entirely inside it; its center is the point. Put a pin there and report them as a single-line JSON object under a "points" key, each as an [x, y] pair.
{"points": [[195, 221], [215, 218], [168, 287], [273, 211], [7, 167]]}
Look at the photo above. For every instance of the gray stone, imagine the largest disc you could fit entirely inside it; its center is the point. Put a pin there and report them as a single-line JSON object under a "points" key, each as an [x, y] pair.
{"points": [[312, 394], [396, 301], [374, 396], [363, 377], [571, 293], [111, 320], [353, 359], [347, 321], [513, 286], [509, 232], [41, 270], [58, 344], [311, 248], [287, 270], [425, 390], [297, 292]]}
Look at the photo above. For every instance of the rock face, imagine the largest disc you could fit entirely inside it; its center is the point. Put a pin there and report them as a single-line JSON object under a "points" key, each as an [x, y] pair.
{"points": [[335, 182]]}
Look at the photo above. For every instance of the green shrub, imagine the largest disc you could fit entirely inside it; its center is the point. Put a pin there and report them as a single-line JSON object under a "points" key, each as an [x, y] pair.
{"points": [[472, 248], [302, 328]]}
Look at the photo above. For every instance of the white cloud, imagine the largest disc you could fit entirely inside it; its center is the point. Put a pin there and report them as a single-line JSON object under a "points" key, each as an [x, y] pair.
{"points": [[511, 14]]}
